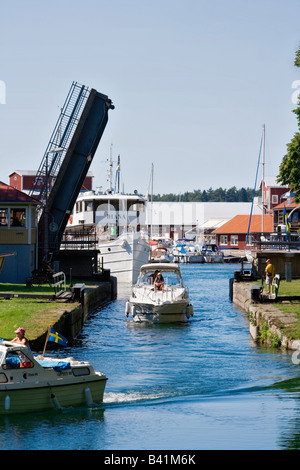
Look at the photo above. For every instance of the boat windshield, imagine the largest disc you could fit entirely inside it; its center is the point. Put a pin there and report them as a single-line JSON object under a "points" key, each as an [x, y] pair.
{"points": [[16, 360], [171, 278]]}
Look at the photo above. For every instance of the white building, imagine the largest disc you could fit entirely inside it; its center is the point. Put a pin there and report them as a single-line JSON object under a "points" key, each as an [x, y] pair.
{"points": [[174, 219]]}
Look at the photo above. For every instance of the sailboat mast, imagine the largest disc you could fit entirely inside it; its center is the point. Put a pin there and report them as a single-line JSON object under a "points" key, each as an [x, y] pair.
{"points": [[109, 172], [152, 170], [263, 179]]}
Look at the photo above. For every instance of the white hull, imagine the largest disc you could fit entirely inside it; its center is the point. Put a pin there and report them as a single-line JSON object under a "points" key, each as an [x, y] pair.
{"points": [[124, 256], [213, 258], [189, 258], [50, 397], [161, 313]]}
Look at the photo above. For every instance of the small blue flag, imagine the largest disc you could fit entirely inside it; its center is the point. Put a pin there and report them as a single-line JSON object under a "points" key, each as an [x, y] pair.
{"points": [[57, 338]]}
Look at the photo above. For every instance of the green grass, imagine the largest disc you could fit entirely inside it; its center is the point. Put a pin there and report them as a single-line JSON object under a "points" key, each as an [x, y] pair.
{"points": [[22, 288], [35, 289], [289, 288], [34, 315], [291, 331], [289, 307], [286, 288]]}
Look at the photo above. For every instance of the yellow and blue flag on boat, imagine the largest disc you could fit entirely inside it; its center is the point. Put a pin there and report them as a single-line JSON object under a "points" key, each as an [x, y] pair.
{"points": [[57, 338], [287, 220]]}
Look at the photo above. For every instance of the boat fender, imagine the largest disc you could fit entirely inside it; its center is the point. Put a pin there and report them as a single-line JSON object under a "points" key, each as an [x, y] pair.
{"points": [[190, 310], [88, 396], [55, 402], [132, 310], [127, 309], [7, 403]]}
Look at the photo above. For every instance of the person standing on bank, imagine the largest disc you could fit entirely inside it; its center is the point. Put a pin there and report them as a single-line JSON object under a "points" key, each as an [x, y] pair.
{"points": [[270, 272]]}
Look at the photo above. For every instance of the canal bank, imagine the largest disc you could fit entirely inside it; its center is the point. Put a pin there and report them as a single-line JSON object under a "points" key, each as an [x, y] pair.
{"points": [[71, 317], [267, 322]]}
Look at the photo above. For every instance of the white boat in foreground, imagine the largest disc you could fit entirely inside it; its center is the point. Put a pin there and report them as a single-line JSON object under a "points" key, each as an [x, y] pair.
{"points": [[31, 384], [171, 304]]}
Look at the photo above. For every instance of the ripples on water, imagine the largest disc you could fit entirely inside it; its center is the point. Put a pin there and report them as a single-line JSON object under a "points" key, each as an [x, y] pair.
{"points": [[199, 385]]}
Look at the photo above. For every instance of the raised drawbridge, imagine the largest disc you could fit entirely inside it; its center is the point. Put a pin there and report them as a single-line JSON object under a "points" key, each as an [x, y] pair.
{"points": [[66, 162]]}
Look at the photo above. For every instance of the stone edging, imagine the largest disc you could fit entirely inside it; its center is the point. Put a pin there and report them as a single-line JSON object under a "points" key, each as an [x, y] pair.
{"points": [[263, 313]]}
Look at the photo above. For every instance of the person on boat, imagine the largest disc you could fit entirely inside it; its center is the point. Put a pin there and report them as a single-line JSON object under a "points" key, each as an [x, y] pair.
{"points": [[270, 272], [20, 337], [152, 277], [159, 282]]}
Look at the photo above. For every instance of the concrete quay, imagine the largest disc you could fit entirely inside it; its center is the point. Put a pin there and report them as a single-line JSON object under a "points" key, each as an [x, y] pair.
{"points": [[71, 320], [264, 314]]}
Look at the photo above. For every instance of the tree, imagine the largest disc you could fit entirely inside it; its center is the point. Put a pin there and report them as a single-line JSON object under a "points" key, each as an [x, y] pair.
{"points": [[289, 170]]}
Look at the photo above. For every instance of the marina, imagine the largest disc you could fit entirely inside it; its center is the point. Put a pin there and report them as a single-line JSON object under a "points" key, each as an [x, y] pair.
{"points": [[202, 384]]}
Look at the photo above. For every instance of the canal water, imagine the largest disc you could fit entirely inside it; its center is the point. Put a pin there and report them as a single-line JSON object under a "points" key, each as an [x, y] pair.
{"points": [[200, 385]]}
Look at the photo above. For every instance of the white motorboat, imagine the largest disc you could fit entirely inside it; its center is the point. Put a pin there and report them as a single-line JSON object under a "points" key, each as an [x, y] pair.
{"points": [[161, 254], [171, 304], [187, 253], [212, 254], [112, 220], [34, 383]]}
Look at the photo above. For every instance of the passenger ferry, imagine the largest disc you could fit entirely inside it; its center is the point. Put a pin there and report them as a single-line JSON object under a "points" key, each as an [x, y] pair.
{"points": [[114, 220]]}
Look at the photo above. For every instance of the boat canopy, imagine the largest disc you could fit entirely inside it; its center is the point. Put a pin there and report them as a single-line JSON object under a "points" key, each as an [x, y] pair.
{"points": [[160, 267]]}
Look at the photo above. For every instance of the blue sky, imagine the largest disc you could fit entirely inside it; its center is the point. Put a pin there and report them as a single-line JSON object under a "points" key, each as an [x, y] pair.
{"points": [[192, 81]]}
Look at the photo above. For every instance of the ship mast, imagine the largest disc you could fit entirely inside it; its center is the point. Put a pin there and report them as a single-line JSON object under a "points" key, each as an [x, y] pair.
{"points": [[263, 179]]}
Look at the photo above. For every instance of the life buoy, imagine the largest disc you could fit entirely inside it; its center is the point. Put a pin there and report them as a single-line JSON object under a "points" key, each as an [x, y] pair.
{"points": [[71, 219]]}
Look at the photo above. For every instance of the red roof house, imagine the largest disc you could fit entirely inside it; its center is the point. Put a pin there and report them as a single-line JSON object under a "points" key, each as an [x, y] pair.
{"points": [[233, 233]]}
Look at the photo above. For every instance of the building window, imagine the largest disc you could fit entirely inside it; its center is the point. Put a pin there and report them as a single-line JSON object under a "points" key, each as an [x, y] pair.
{"points": [[17, 217], [274, 198], [78, 207], [3, 218], [223, 239], [234, 240]]}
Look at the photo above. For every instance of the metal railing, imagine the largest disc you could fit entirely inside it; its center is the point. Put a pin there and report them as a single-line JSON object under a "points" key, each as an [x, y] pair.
{"points": [[277, 245], [79, 241]]}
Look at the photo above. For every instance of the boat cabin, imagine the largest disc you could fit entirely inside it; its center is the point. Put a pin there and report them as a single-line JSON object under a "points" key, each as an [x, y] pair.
{"points": [[13, 356], [170, 272]]}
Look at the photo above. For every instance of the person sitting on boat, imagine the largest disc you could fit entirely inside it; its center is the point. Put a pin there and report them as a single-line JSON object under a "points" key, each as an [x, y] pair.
{"points": [[20, 338], [152, 277], [159, 282]]}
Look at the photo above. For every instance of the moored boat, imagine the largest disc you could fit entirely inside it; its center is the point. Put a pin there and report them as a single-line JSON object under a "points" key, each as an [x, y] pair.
{"points": [[166, 303], [187, 252], [111, 222], [34, 383], [212, 254]]}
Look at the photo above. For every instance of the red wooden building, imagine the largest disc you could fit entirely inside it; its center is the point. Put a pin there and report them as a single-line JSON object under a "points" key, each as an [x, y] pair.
{"points": [[232, 235], [23, 180], [272, 192]]}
